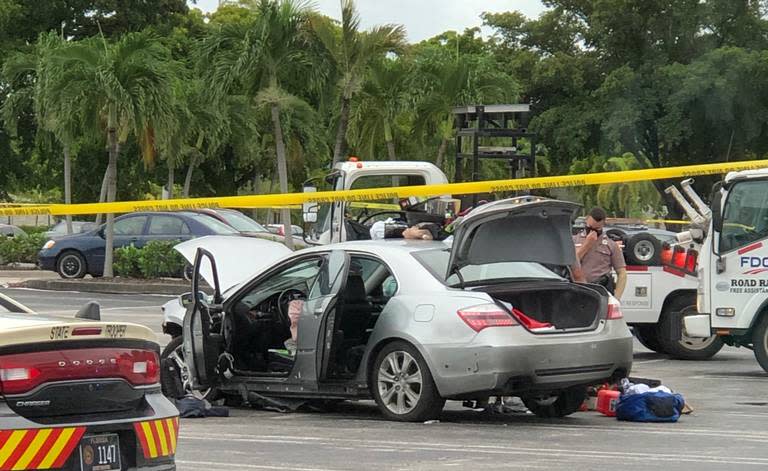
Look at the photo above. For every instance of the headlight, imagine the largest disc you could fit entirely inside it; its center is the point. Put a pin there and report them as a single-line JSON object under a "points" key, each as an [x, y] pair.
{"points": [[49, 244]]}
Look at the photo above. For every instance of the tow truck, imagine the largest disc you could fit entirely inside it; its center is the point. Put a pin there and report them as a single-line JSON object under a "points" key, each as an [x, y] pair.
{"points": [[657, 296], [732, 294]]}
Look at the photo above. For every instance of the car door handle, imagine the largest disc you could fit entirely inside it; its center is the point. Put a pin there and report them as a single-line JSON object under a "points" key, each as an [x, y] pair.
{"points": [[319, 311]]}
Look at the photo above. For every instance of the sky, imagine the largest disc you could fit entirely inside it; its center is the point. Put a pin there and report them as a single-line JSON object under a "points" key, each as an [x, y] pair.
{"points": [[422, 18]]}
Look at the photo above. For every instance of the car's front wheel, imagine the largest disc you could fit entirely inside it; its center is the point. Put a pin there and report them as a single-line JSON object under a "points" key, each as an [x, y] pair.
{"points": [[174, 376], [565, 403], [71, 265], [402, 385]]}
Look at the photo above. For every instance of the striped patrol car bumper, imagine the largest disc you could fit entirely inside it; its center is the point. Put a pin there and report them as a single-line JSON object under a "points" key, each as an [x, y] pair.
{"points": [[47, 448], [52, 448], [157, 437]]}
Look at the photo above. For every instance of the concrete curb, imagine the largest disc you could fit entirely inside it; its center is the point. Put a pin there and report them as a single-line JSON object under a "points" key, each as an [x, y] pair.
{"points": [[110, 287]]}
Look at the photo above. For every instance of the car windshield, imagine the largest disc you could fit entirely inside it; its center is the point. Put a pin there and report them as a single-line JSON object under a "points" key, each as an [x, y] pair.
{"points": [[215, 225], [436, 261], [241, 222]]}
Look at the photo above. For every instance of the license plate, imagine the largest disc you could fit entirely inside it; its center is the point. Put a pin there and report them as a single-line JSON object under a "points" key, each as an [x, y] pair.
{"points": [[100, 452]]}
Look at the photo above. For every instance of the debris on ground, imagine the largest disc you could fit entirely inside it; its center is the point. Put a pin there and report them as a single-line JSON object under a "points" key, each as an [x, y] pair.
{"points": [[643, 403], [191, 406]]}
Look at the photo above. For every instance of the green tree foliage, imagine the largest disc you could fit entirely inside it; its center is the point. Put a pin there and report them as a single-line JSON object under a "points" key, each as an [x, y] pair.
{"points": [[263, 94]]}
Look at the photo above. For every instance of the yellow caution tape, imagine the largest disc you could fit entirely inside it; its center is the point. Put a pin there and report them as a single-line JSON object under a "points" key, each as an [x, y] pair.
{"points": [[382, 206], [288, 199], [668, 221]]}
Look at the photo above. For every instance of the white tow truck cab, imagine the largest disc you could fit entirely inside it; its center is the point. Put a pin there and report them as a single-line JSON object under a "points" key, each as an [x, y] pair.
{"points": [[658, 298], [733, 266], [341, 220]]}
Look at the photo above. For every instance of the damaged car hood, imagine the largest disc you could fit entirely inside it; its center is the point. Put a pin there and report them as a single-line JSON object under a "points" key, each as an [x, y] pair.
{"points": [[237, 258]]}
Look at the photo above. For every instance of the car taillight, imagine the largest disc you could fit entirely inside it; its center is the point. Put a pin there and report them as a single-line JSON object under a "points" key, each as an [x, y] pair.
{"points": [[22, 372], [486, 315], [614, 311], [691, 257]]}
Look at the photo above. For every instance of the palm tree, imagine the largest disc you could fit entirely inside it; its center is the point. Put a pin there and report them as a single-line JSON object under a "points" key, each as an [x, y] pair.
{"points": [[382, 99], [123, 88], [34, 69], [455, 83], [256, 58], [352, 52]]}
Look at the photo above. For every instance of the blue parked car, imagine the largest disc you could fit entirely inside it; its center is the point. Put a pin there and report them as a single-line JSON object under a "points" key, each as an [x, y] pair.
{"points": [[80, 254]]}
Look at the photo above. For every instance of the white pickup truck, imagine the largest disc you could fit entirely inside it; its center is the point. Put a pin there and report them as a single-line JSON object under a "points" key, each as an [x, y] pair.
{"points": [[652, 301]]}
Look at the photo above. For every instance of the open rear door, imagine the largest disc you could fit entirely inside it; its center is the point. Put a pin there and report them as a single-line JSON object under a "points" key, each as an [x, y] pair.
{"points": [[201, 345]]}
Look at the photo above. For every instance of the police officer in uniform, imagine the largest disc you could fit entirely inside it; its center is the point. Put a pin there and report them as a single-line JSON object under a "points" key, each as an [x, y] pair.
{"points": [[599, 255]]}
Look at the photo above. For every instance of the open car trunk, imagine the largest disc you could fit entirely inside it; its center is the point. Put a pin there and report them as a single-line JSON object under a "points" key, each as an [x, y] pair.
{"points": [[551, 307]]}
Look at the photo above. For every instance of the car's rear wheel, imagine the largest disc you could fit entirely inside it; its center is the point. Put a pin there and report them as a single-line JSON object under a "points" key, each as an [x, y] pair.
{"points": [[402, 384], [565, 403], [685, 348], [648, 336], [71, 265], [174, 376]]}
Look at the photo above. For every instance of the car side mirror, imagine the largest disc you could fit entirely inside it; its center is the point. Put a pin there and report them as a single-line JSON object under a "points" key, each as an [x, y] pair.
{"points": [[101, 233], [309, 210], [187, 299], [91, 311]]}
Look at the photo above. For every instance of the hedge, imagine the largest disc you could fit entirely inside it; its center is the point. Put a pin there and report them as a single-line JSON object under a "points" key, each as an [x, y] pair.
{"points": [[154, 260], [21, 249]]}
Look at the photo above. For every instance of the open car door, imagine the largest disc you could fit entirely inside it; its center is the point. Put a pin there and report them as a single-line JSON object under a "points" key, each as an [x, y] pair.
{"points": [[202, 346], [317, 326]]}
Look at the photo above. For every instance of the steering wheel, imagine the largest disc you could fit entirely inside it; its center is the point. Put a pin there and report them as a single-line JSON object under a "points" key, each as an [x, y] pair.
{"points": [[371, 216], [284, 299]]}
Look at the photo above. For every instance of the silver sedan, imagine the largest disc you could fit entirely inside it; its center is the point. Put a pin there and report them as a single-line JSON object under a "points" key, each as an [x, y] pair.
{"points": [[410, 323]]}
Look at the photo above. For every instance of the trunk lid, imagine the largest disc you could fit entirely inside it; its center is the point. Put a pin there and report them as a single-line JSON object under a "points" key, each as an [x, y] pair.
{"points": [[56, 370], [522, 229]]}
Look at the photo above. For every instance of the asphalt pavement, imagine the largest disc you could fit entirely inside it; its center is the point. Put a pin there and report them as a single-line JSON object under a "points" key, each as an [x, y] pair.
{"points": [[727, 430]]}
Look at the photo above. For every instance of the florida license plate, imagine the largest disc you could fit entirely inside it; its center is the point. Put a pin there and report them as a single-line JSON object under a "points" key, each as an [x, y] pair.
{"points": [[100, 452]]}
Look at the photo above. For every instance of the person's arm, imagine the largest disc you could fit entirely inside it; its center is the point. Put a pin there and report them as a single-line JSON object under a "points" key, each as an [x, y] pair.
{"points": [[620, 267], [621, 281], [577, 273], [586, 245]]}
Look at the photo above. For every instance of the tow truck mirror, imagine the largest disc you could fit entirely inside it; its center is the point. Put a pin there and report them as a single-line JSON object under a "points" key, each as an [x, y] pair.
{"points": [[309, 210], [717, 213]]}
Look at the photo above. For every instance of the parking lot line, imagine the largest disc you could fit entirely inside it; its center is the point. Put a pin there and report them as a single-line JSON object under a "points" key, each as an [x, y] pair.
{"points": [[208, 465], [402, 446]]}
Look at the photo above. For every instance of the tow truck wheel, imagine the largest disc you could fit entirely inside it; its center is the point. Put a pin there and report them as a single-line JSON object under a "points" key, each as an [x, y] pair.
{"points": [[760, 342], [648, 336], [685, 348]]}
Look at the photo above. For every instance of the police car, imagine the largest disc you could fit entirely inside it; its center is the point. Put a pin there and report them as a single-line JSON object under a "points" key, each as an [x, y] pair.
{"points": [[81, 394]]}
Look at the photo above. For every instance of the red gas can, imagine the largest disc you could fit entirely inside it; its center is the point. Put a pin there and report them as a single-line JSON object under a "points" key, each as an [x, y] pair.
{"points": [[606, 402]]}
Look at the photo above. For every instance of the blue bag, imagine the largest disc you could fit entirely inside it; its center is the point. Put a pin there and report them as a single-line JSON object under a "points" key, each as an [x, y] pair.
{"points": [[650, 407]]}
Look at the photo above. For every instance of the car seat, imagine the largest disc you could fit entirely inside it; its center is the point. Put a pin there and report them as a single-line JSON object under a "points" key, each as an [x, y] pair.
{"points": [[353, 315]]}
